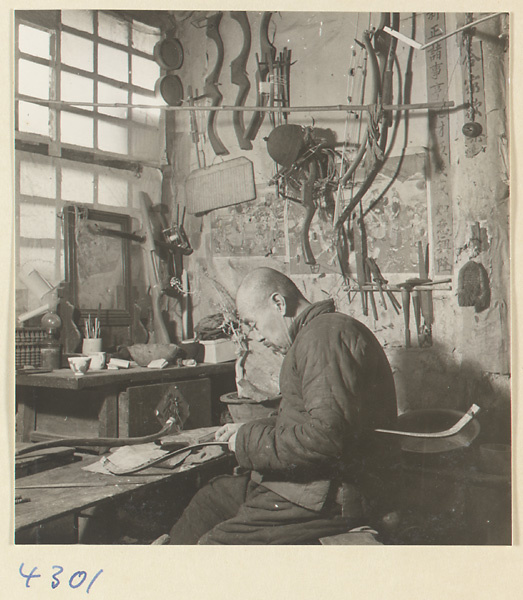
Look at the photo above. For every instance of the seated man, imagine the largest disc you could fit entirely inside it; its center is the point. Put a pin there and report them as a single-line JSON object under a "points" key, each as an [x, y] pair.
{"points": [[317, 468]]}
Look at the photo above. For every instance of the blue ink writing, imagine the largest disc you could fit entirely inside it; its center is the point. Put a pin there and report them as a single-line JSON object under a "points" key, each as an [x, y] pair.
{"points": [[56, 582], [93, 580], [81, 574], [77, 579], [28, 577]]}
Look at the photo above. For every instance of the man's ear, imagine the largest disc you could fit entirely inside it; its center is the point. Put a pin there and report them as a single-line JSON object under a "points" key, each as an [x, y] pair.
{"points": [[279, 301]]}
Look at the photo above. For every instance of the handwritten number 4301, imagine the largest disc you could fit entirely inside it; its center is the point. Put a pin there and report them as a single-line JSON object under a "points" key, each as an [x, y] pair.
{"points": [[76, 580]]}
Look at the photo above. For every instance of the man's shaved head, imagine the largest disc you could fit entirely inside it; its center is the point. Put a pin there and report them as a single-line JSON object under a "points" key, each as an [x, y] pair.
{"points": [[258, 287]]}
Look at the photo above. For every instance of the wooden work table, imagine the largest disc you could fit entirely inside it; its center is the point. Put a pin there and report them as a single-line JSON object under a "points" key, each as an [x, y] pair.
{"points": [[115, 403], [65, 378], [67, 492]]}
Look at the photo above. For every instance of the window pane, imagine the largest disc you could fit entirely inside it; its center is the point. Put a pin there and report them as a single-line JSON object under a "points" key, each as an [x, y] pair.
{"points": [[79, 19], [33, 79], [112, 138], [77, 89], [37, 221], [145, 72], [76, 129], [77, 51], [33, 118], [77, 186], [34, 41], [113, 63], [109, 93], [37, 179], [147, 144], [113, 29], [112, 191], [41, 259], [144, 38], [147, 116]]}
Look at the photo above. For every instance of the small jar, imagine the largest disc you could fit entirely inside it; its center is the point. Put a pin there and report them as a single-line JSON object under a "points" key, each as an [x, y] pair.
{"points": [[50, 355]]}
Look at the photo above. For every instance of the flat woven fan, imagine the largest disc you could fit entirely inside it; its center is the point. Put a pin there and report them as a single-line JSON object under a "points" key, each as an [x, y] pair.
{"points": [[230, 182], [474, 286]]}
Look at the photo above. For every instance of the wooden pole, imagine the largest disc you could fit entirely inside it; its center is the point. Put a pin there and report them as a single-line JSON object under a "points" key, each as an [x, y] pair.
{"points": [[227, 108]]}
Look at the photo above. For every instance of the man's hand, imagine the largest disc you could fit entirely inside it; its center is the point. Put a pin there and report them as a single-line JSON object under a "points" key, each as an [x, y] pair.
{"points": [[228, 433]]}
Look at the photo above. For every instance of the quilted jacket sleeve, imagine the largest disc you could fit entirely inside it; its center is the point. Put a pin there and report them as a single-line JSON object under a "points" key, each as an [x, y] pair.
{"points": [[314, 423]]}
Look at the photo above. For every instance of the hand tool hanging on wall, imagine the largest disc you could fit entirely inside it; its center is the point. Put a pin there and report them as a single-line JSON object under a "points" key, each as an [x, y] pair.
{"points": [[405, 302], [408, 288], [239, 77], [307, 200], [195, 133], [211, 82], [375, 138], [268, 55], [360, 263], [279, 75], [178, 246], [297, 149], [427, 308], [151, 264], [380, 282], [373, 274]]}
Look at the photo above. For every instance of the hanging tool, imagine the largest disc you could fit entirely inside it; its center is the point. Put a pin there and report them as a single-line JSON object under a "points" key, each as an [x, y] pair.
{"points": [[360, 264], [307, 200], [268, 55], [195, 133], [427, 307], [406, 290], [374, 275], [239, 77], [382, 281], [97, 229], [211, 82], [405, 301], [417, 314], [368, 278], [151, 264]]}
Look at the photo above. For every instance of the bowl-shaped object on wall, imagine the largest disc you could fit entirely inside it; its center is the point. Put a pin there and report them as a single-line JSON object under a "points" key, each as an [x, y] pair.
{"points": [[170, 88], [168, 53], [143, 354]]}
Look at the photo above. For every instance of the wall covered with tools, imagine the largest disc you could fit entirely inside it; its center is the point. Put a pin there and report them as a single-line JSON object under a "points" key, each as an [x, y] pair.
{"points": [[400, 215]]}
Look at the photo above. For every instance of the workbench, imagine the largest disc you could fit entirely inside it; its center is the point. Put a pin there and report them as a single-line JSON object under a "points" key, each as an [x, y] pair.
{"points": [[91, 493], [115, 403]]}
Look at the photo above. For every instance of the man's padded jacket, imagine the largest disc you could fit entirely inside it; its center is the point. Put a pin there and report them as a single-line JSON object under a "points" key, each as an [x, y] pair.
{"points": [[337, 387]]}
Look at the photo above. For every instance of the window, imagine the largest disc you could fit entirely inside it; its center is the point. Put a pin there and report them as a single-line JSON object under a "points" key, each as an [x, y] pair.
{"points": [[84, 153], [88, 58]]}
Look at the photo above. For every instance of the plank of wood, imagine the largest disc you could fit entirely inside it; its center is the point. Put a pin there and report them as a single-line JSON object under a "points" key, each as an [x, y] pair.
{"points": [[48, 458], [65, 379], [47, 504], [51, 503]]}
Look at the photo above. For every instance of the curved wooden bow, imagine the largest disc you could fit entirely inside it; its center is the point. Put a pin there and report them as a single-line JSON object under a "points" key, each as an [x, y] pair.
{"points": [[375, 140], [268, 55], [239, 78], [211, 82]]}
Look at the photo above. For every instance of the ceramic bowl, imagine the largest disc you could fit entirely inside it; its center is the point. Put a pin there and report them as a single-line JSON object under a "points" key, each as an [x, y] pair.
{"points": [[79, 364], [143, 354]]}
